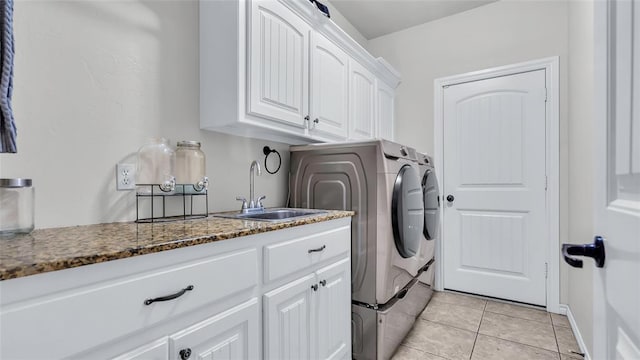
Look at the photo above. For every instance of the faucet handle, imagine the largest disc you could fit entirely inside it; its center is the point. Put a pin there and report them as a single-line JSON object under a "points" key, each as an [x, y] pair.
{"points": [[259, 201], [244, 201]]}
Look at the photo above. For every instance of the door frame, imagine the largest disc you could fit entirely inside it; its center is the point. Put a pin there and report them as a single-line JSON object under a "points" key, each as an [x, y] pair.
{"points": [[551, 65]]}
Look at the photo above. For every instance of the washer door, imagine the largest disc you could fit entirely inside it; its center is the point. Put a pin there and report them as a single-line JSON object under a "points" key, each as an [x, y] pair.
{"points": [[407, 211], [431, 200]]}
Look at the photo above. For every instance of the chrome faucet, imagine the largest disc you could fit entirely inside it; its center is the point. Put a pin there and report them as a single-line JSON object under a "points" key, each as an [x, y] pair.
{"points": [[255, 205]]}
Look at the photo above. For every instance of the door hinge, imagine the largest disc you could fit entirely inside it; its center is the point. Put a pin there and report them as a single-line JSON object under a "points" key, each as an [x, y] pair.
{"points": [[546, 270], [545, 95], [546, 182]]}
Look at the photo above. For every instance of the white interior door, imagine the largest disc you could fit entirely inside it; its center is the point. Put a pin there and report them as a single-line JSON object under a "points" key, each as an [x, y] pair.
{"points": [[617, 219], [494, 223]]}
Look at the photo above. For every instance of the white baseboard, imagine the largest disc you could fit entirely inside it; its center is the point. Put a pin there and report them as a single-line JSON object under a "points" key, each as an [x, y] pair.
{"points": [[566, 310]]}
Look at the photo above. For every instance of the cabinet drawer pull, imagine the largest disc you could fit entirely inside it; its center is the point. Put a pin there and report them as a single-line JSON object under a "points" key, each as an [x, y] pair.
{"points": [[169, 297], [318, 249]]}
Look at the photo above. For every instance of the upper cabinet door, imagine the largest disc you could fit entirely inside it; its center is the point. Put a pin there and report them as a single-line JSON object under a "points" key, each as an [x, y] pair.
{"points": [[329, 89], [278, 64], [361, 102], [385, 112]]}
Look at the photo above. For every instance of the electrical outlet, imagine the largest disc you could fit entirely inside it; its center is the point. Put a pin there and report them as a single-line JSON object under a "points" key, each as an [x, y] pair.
{"points": [[125, 177]]}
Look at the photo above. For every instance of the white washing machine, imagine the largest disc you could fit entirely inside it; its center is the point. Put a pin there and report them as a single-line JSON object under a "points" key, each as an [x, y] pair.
{"points": [[381, 182]]}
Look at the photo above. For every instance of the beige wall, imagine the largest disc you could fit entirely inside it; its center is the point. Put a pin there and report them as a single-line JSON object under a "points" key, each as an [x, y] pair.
{"points": [[345, 25], [581, 169], [94, 80], [502, 33]]}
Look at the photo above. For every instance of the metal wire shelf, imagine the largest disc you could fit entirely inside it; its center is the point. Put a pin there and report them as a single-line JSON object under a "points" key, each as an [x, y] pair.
{"points": [[153, 193]]}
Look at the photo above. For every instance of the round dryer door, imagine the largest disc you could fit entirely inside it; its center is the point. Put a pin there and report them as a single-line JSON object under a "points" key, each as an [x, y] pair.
{"points": [[431, 200], [407, 211]]}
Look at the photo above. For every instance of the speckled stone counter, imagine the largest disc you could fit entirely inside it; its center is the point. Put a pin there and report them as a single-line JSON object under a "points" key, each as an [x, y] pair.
{"points": [[47, 250]]}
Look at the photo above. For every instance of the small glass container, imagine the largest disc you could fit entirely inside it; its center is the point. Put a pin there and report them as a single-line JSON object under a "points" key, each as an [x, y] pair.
{"points": [[156, 165], [17, 199], [191, 165]]}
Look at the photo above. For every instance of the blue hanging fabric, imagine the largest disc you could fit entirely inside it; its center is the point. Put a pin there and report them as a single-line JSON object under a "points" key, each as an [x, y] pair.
{"points": [[7, 123]]}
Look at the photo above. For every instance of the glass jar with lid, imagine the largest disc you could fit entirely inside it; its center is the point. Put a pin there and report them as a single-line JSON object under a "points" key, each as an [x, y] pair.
{"points": [[191, 165], [17, 199], [156, 165]]}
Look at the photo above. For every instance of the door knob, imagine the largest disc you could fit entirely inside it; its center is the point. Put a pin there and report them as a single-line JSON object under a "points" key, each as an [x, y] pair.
{"points": [[450, 198], [595, 251], [185, 354]]}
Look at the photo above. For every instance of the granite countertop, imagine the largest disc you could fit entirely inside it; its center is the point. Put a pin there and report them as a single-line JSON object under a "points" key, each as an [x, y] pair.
{"points": [[54, 249]]}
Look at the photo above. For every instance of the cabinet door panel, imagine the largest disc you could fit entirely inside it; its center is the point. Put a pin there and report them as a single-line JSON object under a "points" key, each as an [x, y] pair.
{"points": [[385, 110], [288, 314], [361, 102], [334, 311], [157, 350], [232, 334], [279, 64], [329, 89]]}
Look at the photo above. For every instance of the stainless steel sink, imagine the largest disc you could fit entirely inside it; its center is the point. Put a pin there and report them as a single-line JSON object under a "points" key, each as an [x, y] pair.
{"points": [[274, 215]]}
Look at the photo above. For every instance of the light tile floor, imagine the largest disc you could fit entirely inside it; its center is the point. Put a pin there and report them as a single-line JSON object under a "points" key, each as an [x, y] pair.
{"points": [[455, 326]]}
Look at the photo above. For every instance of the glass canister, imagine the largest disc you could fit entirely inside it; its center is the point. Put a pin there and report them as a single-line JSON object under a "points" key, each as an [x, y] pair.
{"points": [[156, 165], [191, 165], [17, 200]]}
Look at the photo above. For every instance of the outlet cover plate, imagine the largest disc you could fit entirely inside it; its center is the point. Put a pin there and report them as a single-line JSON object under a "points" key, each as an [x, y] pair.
{"points": [[125, 177]]}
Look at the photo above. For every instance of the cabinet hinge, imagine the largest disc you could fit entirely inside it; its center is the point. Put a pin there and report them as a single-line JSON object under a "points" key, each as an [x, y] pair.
{"points": [[545, 95], [546, 270]]}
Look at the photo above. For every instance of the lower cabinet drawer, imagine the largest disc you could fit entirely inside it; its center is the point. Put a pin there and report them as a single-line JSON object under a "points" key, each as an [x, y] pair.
{"points": [[232, 334], [287, 257], [64, 324]]}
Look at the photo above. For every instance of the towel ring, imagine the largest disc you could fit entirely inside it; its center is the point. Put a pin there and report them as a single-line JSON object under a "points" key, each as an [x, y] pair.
{"points": [[267, 151]]}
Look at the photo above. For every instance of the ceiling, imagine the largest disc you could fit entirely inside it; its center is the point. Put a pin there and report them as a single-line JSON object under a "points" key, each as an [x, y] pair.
{"points": [[375, 18]]}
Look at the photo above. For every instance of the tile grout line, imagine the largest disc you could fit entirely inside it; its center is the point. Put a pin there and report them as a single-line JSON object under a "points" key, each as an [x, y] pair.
{"points": [[518, 342], [555, 336], [443, 324], [523, 344], [518, 317], [422, 351], [473, 348]]}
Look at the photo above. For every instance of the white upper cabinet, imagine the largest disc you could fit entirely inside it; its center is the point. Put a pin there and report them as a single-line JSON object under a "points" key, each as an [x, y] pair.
{"points": [[385, 112], [329, 89], [281, 71], [362, 85], [279, 64]]}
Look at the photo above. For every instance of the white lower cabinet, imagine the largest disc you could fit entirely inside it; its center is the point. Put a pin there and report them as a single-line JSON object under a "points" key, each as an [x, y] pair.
{"points": [[230, 335], [199, 302], [288, 314], [156, 350], [334, 311], [310, 318]]}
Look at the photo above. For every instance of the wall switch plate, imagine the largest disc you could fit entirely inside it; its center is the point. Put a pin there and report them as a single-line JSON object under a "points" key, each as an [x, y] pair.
{"points": [[125, 177]]}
